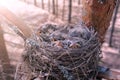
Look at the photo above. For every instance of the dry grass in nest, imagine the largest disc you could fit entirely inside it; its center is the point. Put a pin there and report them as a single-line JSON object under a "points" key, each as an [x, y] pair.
{"points": [[71, 55]]}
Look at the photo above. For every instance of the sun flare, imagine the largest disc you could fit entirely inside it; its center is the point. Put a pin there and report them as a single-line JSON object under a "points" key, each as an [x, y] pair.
{"points": [[6, 3]]}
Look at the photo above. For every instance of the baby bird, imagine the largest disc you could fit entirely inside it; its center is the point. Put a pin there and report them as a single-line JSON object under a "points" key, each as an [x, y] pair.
{"points": [[44, 31], [80, 32]]}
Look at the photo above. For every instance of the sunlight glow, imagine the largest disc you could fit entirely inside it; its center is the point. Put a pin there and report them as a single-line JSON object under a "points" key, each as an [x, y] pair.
{"points": [[4, 2], [7, 3]]}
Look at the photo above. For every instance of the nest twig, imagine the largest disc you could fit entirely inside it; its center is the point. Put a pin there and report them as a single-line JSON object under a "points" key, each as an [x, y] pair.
{"points": [[57, 53]]}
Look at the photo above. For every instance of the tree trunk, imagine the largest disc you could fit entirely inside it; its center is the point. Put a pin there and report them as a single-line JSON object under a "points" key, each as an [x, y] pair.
{"points": [[42, 4], [49, 5], [70, 11], [35, 2], [63, 10], [5, 62], [98, 13], [56, 8], [78, 2], [53, 3]]}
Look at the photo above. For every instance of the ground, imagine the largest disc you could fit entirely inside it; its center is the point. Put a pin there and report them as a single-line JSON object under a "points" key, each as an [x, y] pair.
{"points": [[35, 17]]}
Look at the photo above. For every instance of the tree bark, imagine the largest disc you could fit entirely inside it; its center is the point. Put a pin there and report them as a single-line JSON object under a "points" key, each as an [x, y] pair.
{"points": [[98, 13]]}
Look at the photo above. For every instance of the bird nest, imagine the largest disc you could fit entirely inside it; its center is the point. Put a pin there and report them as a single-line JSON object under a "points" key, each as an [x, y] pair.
{"points": [[60, 53]]}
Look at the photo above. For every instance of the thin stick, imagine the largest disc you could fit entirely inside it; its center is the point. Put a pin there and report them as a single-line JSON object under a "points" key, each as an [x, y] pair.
{"points": [[16, 21], [113, 22]]}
